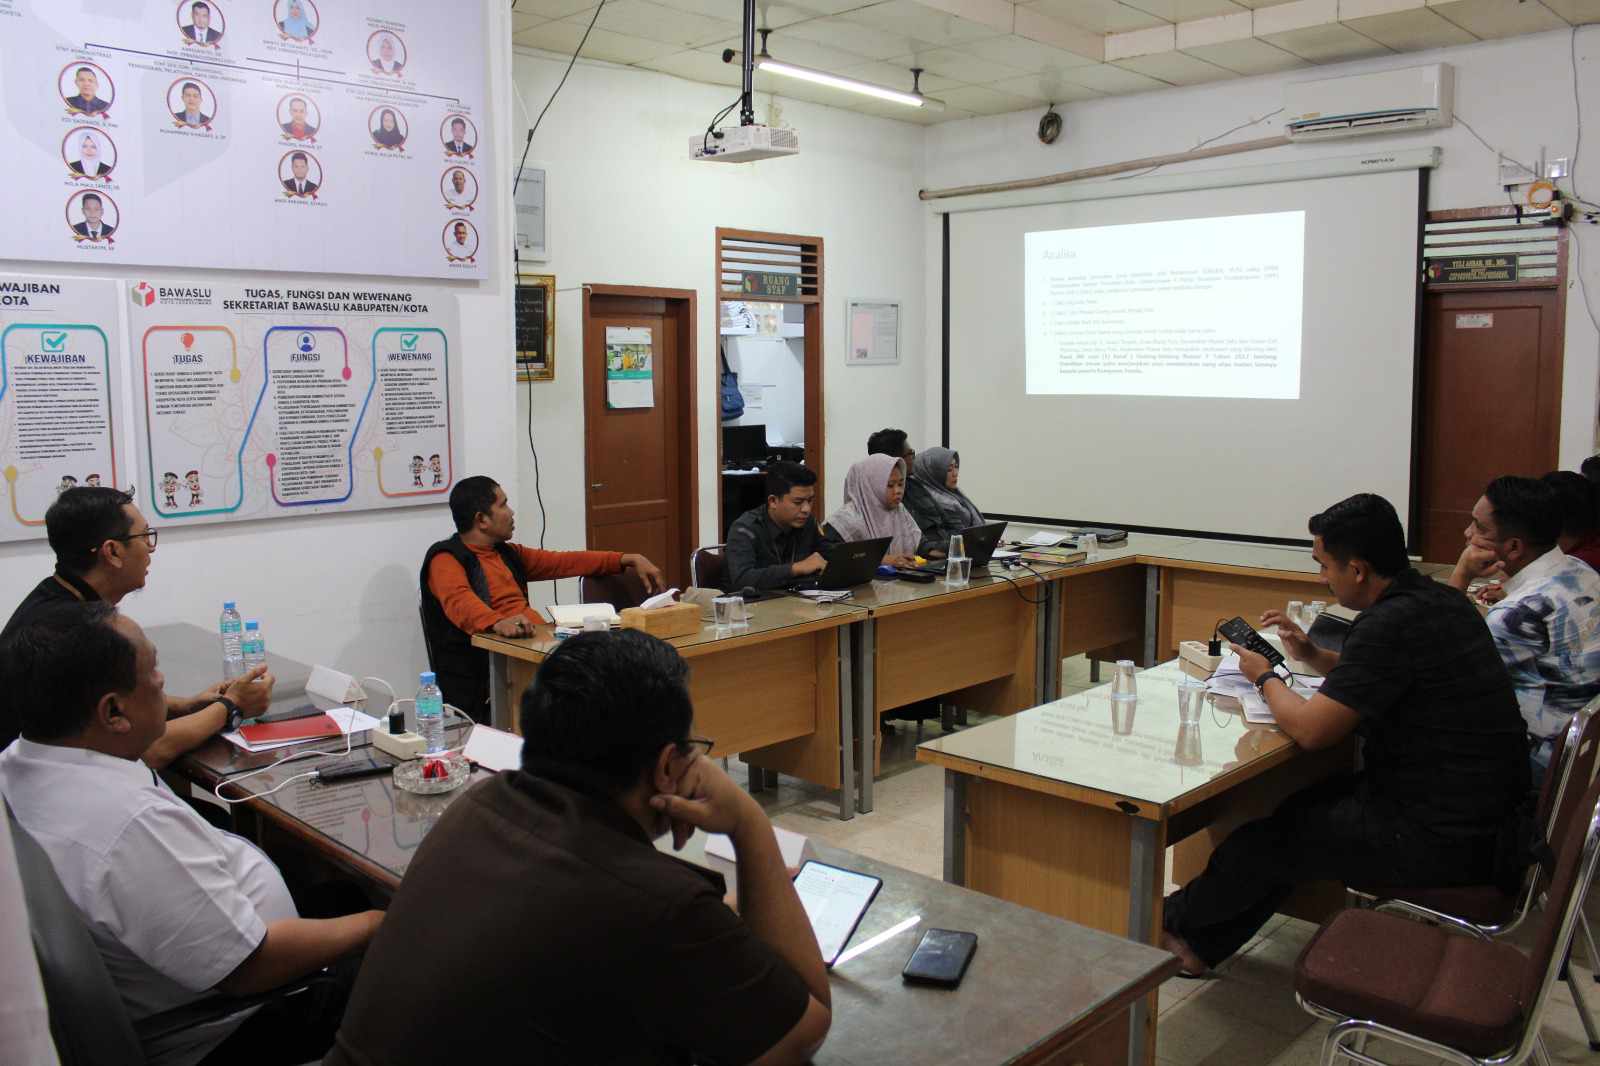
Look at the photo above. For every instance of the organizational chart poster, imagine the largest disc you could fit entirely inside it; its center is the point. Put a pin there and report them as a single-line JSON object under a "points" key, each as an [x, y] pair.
{"points": [[266, 400], [60, 389], [295, 135]]}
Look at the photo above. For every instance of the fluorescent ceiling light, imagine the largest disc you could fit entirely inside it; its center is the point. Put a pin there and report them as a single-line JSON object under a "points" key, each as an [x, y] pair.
{"points": [[776, 66]]}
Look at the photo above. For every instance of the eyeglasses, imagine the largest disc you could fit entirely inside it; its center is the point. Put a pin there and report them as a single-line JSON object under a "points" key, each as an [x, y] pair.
{"points": [[690, 743], [150, 536]]}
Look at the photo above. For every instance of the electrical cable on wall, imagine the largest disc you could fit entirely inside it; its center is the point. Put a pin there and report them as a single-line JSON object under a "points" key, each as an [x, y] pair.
{"points": [[516, 179], [1202, 144]]}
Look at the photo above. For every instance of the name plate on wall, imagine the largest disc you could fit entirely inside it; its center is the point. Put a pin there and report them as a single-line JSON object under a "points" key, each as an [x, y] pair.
{"points": [[1472, 269], [760, 283]]}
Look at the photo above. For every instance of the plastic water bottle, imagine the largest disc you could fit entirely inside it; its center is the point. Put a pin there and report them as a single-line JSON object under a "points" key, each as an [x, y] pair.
{"points": [[430, 713], [253, 647], [232, 641]]}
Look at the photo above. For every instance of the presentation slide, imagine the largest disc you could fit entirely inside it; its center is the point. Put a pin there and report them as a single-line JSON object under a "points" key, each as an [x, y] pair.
{"points": [[264, 401], [1217, 315], [246, 134], [60, 391], [1226, 360]]}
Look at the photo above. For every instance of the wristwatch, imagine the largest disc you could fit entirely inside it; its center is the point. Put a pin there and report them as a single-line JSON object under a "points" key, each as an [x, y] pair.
{"points": [[1261, 682], [235, 716]]}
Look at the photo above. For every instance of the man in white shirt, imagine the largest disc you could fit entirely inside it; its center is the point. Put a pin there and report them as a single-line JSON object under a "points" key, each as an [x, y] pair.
{"points": [[178, 909], [1547, 626]]}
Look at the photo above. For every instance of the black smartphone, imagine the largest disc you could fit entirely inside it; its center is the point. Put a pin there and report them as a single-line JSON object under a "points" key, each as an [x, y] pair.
{"points": [[941, 957], [1242, 633]]}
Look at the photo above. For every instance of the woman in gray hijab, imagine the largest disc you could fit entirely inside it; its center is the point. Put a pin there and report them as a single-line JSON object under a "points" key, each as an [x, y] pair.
{"points": [[940, 508]]}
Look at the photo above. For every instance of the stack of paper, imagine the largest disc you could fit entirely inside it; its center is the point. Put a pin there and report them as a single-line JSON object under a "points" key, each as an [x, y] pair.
{"points": [[1229, 681]]}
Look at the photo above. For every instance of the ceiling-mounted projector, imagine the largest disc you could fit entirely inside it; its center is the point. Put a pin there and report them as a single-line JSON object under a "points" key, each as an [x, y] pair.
{"points": [[743, 144]]}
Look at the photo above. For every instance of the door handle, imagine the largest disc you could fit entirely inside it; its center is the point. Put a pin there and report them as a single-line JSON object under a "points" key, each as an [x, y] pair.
{"points": [[596, 485]]}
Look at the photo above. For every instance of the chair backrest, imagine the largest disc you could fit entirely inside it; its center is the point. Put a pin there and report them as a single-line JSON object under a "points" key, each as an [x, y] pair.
{"points": [[1328, 631], [1571, 769], [619, 590], [427, 645], [707, 565], [87, 1018], [1577, 848]]}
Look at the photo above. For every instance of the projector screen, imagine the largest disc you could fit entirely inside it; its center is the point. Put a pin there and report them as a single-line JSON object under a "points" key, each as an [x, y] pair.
{"points": [[1223, 360]]}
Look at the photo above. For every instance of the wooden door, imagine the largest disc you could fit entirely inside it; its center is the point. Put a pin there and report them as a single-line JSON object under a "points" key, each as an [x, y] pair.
{"points": [[639, 461], [1490, 402]]}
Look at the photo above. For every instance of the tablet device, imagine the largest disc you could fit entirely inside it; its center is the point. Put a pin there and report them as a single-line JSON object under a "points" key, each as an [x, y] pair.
{"points": [[834, 900]]}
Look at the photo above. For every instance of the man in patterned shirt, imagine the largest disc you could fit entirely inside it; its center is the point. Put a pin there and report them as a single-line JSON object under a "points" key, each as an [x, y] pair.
{"points": [[1547, 627]]}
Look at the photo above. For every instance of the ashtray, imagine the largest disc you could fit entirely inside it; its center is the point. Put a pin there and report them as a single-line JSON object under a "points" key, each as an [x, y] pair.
{"points": [[432, 773]]}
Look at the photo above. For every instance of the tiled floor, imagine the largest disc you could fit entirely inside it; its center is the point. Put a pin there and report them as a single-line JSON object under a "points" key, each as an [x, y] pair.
{"points": [[1244, 1016]]}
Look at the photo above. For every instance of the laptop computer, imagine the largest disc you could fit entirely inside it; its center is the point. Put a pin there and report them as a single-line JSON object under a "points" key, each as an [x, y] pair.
{"points": [[855, 562], [980, 541]]}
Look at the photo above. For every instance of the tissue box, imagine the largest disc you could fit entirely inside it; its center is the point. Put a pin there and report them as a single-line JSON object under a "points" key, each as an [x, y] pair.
{"points": [[679, 620]]}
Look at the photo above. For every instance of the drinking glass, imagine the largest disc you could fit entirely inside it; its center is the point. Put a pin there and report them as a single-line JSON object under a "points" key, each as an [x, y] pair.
{"points": [[957, 571], [1123, 685], [1191, 697], [727, 609]]}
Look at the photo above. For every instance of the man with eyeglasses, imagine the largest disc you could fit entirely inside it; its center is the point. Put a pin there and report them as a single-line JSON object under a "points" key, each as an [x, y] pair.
{"points": [[571, 938], [103, 547]]}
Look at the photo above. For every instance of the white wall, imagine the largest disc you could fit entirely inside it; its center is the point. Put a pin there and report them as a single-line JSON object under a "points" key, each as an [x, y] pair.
{"points": [[778, 365], [1517, 94], [628, 207], [340, 590]]}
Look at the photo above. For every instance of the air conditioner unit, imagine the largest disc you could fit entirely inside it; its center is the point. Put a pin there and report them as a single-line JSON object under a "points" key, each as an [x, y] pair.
{"points": [[1417, 98]]}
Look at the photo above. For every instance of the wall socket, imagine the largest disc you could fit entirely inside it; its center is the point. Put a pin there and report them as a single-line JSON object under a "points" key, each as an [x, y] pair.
{"points": [[1557, 168]]}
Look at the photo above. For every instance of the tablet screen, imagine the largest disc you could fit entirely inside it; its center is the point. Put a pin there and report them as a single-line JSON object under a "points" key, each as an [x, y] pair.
{"points": [[834, 900]]}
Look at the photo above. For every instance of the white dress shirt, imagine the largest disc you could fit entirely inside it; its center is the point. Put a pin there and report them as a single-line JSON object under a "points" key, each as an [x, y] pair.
{"points": [[173, 904]]}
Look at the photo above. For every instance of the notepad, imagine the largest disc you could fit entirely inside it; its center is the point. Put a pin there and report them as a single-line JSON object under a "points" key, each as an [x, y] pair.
{"points": [[573, 614]]}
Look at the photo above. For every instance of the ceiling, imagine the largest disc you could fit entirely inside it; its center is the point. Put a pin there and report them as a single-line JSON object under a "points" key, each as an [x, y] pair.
{"points": [[988, 57]]}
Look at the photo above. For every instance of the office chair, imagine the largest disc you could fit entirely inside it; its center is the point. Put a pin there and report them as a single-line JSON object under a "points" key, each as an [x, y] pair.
{"points": [[707, 566], [1446, 991], [88, 1021], [619, 590], [1491, 911]]}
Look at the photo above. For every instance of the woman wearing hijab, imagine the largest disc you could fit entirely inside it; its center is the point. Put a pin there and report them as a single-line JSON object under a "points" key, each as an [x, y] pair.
{"points": [[88, 162], [388, 132], [297, 25], [872, 493], [940, 509]]}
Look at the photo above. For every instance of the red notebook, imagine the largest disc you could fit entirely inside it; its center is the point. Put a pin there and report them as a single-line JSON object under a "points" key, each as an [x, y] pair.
{"points": [[312, 727]]}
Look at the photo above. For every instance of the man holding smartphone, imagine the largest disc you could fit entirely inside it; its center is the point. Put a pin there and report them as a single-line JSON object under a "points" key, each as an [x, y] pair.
{"points": [[538, 921]]}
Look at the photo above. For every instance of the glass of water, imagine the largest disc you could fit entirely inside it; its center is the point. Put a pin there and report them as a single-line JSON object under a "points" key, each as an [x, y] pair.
{"points": [[729, 608], [957, 571], [1191, 697], [1123, 686], [1090, 545], [1295, 612]]}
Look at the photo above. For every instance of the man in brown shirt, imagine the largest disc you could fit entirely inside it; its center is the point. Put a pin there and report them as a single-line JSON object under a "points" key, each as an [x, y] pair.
{"points": [[538, 923]]}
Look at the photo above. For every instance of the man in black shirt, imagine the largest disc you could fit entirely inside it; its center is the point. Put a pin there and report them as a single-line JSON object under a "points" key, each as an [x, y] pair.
{"points": [[103, 549], [566, 936], [1446, 762], [778, 543]]}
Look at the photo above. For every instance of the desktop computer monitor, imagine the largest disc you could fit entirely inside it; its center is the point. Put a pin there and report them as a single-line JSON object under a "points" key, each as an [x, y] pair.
{"points": [[744, 444]]}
